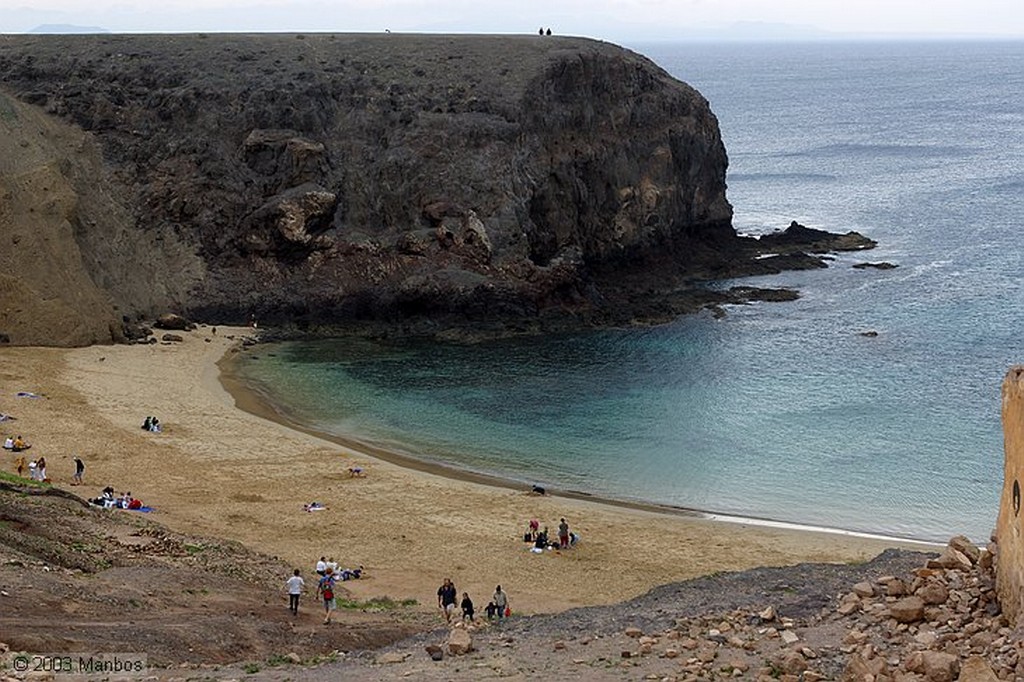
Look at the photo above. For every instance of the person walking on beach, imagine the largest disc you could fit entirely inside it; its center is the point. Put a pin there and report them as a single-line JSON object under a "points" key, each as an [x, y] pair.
{"points": [[79, 471], [20, 465], [325, 590], [446, 596], [500, 600], [294, 585], [563, 534]]}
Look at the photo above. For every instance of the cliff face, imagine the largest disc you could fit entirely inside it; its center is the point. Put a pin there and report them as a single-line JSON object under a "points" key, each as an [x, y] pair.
{"points": [[326, 178], [1010, 555]]}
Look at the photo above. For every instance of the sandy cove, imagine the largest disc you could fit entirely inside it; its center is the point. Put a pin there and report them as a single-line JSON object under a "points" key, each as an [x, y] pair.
{"points": [[221, 471]]}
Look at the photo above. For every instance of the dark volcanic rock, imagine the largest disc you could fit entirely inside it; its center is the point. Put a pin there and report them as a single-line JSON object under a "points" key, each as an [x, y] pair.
{"points": [[172, 321], [801, 238], [883, 265], [322, 179]]}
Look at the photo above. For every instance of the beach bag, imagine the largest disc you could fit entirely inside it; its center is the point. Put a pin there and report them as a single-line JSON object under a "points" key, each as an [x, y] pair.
{"points": [[508, 611]]}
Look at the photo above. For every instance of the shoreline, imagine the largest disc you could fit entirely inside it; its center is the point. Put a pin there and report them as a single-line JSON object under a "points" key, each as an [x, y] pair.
{"points": [[220, 471], [256, 402]]}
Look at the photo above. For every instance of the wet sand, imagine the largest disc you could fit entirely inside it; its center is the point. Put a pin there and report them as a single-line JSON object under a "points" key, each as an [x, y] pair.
{"points": [[229, 465]]}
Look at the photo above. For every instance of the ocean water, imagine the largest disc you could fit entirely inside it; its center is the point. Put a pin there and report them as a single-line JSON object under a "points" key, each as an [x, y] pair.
{"points": [[779, 411]]}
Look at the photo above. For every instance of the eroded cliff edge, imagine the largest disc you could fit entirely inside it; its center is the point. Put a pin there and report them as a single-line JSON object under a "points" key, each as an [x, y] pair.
{"points": [[325, 179]]}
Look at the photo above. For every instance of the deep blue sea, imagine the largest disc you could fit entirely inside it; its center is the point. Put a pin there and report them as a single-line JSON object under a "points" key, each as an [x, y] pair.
{"points": [[780, 411]]}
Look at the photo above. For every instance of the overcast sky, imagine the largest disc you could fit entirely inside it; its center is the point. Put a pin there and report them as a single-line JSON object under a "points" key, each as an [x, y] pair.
{"points": [[614, 20]]}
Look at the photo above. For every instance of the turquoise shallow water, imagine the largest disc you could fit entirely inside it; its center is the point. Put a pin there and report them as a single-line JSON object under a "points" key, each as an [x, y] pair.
{"points": [[778, 411]]}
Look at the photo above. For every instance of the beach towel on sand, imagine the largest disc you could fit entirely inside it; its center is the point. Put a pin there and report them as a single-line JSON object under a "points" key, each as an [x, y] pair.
{"points": [[28, 394]]}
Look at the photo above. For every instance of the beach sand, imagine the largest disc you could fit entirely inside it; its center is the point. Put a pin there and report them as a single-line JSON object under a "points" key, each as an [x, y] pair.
{"points": [[222, 471]]}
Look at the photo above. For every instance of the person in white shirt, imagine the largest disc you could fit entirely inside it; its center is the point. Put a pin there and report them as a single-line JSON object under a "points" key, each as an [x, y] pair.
{"points": [[333, 565], [321, 566], [295, 585]]}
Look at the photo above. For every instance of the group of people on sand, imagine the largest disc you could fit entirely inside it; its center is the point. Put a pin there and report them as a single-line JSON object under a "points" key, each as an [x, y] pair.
{"points": [[36, 468], [328, 574], [152, 424], [15, 444], [540, 540], [108, 499], [447, 596]]}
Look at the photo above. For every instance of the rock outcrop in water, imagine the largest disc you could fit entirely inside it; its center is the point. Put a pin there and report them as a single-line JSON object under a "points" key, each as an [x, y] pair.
{"points": [[428, 181]]}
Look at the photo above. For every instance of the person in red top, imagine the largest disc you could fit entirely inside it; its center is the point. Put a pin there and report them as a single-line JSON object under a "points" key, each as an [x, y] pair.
{"points": [[325, 589]]}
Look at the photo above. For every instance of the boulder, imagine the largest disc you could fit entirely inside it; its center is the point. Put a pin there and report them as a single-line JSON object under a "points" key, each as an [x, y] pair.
{"points": [[172, 322], [976, 669], [436, 653], [936, 666], [460, 642], [894, 587], [951, 559], [933, 593], [864, 589], [961, 544], [172, 338], [861, 667], [790, 662], [907, 610]]}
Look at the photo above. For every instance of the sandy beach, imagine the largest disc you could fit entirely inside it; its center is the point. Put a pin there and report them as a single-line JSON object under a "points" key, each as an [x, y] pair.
{"points": [[234, 473]]}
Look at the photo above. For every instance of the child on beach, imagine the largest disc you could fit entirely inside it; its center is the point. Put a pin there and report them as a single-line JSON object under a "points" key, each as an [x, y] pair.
{"points": [[294, 585], [467, 607]]}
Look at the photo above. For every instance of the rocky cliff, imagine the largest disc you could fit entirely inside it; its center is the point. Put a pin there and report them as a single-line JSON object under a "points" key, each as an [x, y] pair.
{"points": [[330, 178]]}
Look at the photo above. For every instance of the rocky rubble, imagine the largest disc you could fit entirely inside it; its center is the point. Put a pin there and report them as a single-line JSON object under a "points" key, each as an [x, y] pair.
{"points": [[936, 621], [940, 623]]}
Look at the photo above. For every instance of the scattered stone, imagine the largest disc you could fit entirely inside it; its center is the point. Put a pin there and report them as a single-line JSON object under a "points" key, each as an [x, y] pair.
{"points": [[789, 637], [436, 653], [633, 632], [907, 610], [976, 669], [936, 666], [951, 559], [933, 593], [965, 547]]}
